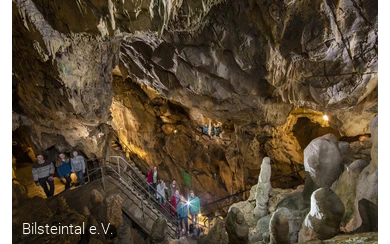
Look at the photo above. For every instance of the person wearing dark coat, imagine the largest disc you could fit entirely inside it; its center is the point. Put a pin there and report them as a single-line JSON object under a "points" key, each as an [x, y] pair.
{"points": [[64, 169]]}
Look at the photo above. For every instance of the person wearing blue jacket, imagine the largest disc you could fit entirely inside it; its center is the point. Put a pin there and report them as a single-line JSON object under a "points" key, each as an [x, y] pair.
{"points": [[64, 169], [182, 213], [194, 207]]}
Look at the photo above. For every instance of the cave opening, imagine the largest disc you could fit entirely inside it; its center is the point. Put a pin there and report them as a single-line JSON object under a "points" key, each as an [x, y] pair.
{"points": [[305, 131]]}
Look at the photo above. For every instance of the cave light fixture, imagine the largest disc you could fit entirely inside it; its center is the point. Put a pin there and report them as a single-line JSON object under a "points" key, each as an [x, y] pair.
{"points": [[325, 117], [188, 203]]}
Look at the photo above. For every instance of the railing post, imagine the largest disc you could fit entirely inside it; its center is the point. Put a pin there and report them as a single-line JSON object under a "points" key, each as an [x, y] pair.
{"points": [[103, 183], [89, 180], [119, 171], [142, 208]]}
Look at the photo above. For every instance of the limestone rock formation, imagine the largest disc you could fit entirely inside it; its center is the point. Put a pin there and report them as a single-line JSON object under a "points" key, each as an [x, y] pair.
{"points": [[217, 234], [323, 160], [345, 189], [236, 227], [282, 227], [325, 216], [271, 66], [159, 230], [154, 72], [263, 189]]}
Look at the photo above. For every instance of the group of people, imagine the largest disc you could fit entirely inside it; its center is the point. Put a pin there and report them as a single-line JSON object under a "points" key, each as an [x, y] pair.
{"points": [[214, 131], [183, 206], [179, 206], [43, 171]]}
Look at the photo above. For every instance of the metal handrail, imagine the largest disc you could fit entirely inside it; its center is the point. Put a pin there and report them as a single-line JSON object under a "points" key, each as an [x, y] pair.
{"points": [[142, 186], [172, 227], [142, 178], [122, 143], [230, 196], [93, 159], [121, 178], [143, 189], [237, 193]]}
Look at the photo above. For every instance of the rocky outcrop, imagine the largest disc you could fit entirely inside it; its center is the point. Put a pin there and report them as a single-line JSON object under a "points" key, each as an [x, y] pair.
{"points": [[217, 234], [323, 163], [345, 189], [323, 160], [283, 227], [35, 212], [324, 218], [236, 227], [159, 230]]}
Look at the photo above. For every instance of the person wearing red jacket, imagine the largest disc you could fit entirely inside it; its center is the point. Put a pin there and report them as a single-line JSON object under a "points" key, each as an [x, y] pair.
{"points": [[174, 201], [152, 180]]}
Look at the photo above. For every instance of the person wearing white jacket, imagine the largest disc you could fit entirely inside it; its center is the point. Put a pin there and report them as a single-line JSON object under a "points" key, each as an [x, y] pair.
{"points": [[161, 192], [78, 166]]}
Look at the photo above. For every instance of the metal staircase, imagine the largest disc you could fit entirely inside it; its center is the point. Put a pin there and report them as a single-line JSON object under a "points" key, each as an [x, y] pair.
{"points": [[127, 180], [139, 203]]}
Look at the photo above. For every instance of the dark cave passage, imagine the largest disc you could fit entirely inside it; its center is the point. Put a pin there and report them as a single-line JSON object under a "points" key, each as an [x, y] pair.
{"points": [[305, 131]]}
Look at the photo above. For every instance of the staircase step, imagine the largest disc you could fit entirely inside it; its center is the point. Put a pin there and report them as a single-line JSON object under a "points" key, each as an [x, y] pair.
{"points": [[137, 213], [149, 224], [123, 195], [127, 203], [155, 210], [137, 201], [144, 210]]}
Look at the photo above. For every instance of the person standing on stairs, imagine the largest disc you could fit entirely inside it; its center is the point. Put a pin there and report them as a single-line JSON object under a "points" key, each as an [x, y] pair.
{"points": [[172, 188], [43, 171], [182, 212], [64, 169], [152, 180], [194, 207], [78, 166], [174, 201], [161, 193]]}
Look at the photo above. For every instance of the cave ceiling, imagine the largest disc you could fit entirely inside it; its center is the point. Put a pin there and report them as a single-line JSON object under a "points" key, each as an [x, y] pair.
{"points": [[82, 67]]}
